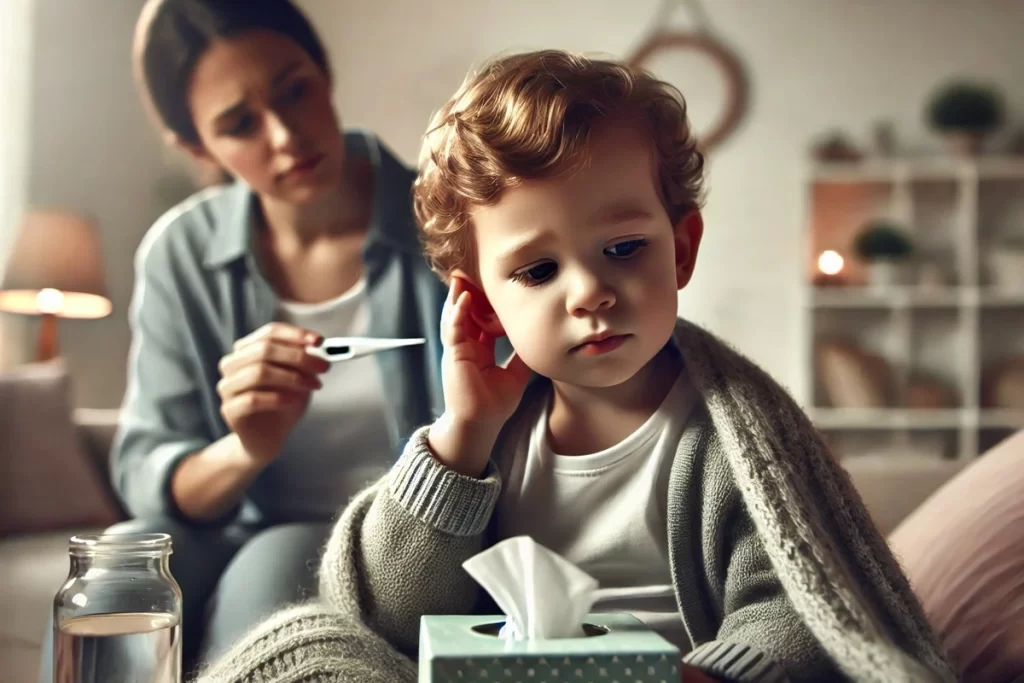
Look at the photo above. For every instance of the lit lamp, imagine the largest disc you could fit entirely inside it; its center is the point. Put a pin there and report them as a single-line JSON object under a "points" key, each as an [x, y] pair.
{"points": [[55, 271], [830, 269]]}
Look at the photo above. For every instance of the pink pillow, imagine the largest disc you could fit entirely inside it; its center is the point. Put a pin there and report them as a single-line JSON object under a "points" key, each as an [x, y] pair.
{"points": [[963, 551], [47, 481]]}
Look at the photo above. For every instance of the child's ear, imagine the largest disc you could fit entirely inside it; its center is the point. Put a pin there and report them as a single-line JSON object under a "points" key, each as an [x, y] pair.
{"points": [[688, 232], [480, 306]]}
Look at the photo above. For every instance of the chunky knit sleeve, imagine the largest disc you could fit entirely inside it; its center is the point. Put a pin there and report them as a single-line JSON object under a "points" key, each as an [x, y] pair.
{"points": [[753, 633], [397, 552], [311, 643]]}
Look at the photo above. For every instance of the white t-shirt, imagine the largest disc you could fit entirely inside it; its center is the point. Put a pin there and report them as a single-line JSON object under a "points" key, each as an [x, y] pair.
{"points": [[341, 443], [605, 512]]}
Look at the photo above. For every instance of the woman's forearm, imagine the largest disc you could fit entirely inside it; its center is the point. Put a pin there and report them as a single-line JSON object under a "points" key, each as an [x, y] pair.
{"points": [[209, 483]]}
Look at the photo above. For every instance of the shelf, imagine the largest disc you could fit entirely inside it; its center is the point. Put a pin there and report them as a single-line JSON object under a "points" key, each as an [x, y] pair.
{"points": [[922, 169], [885, 418], [1001, 419], [906, 418], [998, 298], [903, 338], [912, 297]]}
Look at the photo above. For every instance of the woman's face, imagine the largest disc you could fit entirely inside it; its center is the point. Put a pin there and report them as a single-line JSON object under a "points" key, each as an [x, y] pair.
{"points": [[263, 112]]}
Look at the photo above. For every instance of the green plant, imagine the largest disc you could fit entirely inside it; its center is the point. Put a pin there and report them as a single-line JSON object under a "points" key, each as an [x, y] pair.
{"points": [[966, 106], [882, 239], [834, 145]]}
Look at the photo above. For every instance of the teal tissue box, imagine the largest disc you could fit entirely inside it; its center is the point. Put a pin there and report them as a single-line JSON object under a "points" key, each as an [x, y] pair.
{"points": [[618, 647]]}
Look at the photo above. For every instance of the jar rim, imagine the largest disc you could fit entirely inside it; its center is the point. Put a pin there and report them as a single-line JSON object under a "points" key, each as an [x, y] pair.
{"points": [[120, 543]]}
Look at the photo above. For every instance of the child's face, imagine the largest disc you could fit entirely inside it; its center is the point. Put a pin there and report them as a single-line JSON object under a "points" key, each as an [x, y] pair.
{"points": [[582, 270]]}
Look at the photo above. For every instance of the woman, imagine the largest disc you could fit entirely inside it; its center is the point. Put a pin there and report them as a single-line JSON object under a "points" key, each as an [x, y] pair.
{"points": [[234, 439]]}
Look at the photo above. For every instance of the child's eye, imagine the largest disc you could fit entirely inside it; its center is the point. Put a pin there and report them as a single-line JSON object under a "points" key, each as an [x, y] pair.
{"points": [[536, 275], [624, 250]]}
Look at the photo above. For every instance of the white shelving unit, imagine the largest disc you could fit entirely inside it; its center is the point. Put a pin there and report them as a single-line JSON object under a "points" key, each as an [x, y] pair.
{"points": [[955, 209]]}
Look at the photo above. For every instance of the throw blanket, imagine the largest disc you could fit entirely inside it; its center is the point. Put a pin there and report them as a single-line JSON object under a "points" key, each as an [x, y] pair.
{"points": [[835, 567]]}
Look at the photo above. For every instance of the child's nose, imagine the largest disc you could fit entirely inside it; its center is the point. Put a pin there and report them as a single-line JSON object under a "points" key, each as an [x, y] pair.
{"points": [[589, 294]]}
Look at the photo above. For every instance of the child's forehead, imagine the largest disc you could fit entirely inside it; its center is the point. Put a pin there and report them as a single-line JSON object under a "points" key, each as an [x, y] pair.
{"points": [[540, 213], [611, 171]]}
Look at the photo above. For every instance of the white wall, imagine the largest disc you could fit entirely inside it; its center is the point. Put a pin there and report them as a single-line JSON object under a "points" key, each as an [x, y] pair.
{"points": [[813, 64], [91, 150], [15, 65]]}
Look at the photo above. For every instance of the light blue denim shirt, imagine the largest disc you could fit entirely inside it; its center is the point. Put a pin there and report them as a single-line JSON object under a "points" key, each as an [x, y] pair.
{"points": [[198, 289]]}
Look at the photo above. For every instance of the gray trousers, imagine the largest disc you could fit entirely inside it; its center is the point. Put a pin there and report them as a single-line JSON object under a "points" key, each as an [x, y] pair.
{"points": [[231, 578]]}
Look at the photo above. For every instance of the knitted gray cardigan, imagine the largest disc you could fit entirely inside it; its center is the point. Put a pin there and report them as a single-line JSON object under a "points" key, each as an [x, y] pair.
{"points": [[833, 590]]}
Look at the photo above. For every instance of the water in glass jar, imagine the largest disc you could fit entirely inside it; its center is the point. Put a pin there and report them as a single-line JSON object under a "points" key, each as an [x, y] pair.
{"points": [[118, 648]]}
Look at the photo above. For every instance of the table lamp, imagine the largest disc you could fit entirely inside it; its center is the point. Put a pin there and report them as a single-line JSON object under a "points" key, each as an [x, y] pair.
{"points": [[54, 271]]}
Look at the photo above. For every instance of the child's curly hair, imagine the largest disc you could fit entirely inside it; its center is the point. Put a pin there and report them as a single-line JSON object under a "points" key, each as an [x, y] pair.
{"points": [[529, 116]]}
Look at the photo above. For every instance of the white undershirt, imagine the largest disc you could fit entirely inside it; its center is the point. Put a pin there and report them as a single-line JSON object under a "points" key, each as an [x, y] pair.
{"points": [[341, 443], [605, 512]]}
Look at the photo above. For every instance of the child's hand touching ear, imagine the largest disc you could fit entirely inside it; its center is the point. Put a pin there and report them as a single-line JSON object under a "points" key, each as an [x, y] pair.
{"points": [[479, 394]]}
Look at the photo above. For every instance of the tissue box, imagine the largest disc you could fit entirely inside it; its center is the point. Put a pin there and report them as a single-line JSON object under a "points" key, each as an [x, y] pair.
{"points": [[618, 647]]}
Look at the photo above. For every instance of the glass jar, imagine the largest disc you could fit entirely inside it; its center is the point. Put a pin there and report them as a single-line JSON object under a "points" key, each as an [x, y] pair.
{"points": [[117, 618]]}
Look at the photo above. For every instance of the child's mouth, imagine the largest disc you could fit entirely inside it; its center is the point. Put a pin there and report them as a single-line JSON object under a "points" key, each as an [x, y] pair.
{"points": [[600, 347]]}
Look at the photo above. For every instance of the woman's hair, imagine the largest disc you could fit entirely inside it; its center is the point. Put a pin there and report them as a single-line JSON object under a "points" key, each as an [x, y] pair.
{"points": [[529, 116], [176, 33]]}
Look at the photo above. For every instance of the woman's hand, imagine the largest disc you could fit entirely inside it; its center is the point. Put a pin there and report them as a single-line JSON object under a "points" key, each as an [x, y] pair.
{"points": [[479, 394], [265, 387]]}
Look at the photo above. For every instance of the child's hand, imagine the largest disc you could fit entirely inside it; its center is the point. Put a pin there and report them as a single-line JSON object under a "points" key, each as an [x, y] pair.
{"points": [[479, 394], [691, 674]]}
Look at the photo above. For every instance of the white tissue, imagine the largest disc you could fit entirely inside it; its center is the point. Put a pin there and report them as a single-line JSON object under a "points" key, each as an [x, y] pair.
{"points": [[542, 594]]}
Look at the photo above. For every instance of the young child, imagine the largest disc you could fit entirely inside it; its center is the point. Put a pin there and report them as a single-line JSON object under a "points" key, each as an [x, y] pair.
{"points": [[560, 196]]}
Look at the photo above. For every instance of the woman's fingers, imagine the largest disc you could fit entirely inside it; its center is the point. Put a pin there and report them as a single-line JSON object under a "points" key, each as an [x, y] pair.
{"points": [[255, 402], [268, 351], [282, 333], [266, 377]]}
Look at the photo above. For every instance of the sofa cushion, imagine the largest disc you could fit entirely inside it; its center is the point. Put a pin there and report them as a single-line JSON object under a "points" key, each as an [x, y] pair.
{"points": [[47, 481], [33, 568], [963, 551], [892, 486]]}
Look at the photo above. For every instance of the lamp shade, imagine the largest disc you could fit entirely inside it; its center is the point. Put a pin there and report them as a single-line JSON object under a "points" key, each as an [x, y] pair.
{"points": [[56, 268]]}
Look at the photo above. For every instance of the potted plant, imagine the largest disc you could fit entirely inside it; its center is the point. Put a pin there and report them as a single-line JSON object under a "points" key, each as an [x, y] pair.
{"points": [[835, 145], [965, 112], [885, 248]]}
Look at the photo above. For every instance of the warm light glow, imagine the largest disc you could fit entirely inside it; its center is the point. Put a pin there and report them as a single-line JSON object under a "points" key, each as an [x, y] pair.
{"points": [[56, 302], [50, 301], [830, 262]]}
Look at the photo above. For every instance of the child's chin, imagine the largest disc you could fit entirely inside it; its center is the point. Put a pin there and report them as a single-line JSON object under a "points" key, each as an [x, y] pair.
{"points": [[603, 376]]}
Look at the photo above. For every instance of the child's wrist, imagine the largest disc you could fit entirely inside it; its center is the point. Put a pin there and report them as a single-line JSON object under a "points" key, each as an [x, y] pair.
{"points": [[691, 674], [462, 445]]}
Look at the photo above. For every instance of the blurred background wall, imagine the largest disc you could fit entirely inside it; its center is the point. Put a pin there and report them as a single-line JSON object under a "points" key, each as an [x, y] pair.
{"points": [[812, 65]]}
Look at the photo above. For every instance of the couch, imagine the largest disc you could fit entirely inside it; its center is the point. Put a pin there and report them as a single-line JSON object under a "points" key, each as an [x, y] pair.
{"points": [[34, 565]]}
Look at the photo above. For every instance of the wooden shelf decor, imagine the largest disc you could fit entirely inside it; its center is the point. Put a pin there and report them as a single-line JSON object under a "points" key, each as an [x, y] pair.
{"points": [[941, 337], [699, 39]]}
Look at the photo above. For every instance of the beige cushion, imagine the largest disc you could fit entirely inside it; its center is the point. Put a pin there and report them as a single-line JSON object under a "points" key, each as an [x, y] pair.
{"points": [[963, 551], [47, 481], [892, 486], [33, 567]]}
